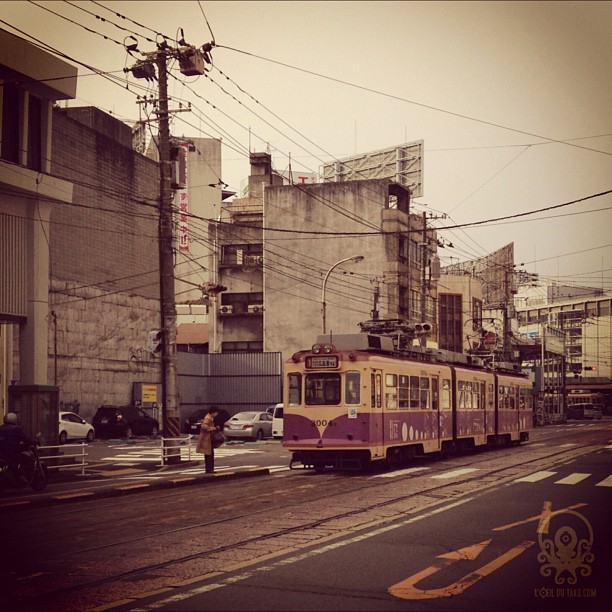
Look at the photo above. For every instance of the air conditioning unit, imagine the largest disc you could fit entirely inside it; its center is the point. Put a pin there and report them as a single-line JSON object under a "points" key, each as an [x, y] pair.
{"points": [[226, 309], [255, 308]]}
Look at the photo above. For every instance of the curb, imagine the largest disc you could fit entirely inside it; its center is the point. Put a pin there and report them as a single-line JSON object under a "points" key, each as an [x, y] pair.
{"points": [[52, 499]]}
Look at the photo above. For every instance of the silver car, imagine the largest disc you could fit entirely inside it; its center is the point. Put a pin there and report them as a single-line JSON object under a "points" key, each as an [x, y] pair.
{"points": [[251, 425]]}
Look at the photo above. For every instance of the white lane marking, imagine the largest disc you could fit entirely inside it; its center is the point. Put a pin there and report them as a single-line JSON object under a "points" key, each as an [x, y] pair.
{"points": [[535, 477], [400, 472], [453, 473], [278, 468], [172, 599], [606, 482], [151, 455], [572, 479]]}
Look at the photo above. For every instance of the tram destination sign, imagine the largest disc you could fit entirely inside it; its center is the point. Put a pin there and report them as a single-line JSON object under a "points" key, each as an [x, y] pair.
{"points": [[322, 362]]}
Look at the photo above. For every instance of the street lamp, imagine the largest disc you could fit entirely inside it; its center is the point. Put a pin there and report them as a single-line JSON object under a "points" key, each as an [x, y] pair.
{"points": [[354, 258]]}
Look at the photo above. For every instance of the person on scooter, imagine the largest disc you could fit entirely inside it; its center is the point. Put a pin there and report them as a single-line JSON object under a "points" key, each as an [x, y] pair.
{"points": [[13, 441]]}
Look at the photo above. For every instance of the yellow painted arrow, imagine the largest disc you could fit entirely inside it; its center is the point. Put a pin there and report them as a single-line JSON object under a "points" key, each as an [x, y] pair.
{"points": [[406, 589]]}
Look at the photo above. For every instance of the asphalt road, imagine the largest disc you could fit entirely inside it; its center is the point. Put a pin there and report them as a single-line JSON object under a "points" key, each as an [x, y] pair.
{"points": [[454, 534]]}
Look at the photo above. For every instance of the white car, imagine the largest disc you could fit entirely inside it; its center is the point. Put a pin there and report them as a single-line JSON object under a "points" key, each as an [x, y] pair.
{"points": [[277, 421], [73, 427]]}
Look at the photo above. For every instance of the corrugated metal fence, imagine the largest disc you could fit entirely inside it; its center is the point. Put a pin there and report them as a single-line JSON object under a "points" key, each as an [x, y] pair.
{"points": [[232, 381]]}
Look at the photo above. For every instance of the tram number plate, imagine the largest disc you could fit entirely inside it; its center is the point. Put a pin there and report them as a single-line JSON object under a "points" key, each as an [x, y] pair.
{"points": [[322, 361]]}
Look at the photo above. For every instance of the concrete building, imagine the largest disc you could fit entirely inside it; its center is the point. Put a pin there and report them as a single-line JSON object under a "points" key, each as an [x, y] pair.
{"points": [[584, 316], [31, 81], [103, 297], [280, 250], [460, 315]]}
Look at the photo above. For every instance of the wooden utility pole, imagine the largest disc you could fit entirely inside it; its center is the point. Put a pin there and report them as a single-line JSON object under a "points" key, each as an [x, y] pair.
{"points": [[170, 407], [192, 61]]}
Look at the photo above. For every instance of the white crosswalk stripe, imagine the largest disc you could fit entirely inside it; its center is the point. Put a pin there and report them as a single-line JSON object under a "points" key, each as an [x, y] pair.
{"points": [[535, 477], [400, 472], [278, 468], [453, 473], [144, 455], [606, 482], [570, 479], [573, 479]]}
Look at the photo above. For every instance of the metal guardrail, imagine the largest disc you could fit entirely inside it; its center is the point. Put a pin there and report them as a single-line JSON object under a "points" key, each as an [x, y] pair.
{"points": [[181, 448], [49, 459]]}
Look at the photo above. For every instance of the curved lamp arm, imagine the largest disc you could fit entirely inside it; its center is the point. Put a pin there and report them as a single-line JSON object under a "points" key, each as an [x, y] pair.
{"points": [[354, 258]]}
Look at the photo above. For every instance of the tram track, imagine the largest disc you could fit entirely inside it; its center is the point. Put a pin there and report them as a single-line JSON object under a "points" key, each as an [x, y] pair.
{"points": [[416, 492]]}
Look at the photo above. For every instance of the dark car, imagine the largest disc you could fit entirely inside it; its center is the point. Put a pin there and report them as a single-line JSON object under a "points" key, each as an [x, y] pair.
{"points": [[584, 411], [124, 421], [194, 420]]}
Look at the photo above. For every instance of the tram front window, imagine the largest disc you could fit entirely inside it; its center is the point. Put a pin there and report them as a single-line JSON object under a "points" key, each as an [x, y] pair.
{"points": [[322, 389]]}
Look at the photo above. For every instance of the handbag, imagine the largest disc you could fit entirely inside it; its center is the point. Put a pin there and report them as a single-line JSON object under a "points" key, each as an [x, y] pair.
{"points": [[217, 439]]}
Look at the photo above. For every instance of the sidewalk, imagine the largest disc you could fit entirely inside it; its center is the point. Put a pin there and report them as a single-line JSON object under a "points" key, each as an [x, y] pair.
{"points": [[103, 481]]}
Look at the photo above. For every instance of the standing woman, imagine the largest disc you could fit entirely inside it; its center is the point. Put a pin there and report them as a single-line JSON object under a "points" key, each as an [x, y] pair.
{"points": [[204, 441]]}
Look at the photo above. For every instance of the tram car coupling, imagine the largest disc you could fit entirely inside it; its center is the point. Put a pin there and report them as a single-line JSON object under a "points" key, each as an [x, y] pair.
{"points": [[357, 401]]}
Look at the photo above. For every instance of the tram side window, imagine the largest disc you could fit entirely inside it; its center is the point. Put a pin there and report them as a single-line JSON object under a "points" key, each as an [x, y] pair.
{"points": [[404, 392], [512, 397], [352, 391], [490, 397], [295, 389], [504, 403], [424, 395], [465, 394], [446, 389], [391, 391], [322, 389], [372, 390], [435, 403], [414, 392], [526, 401]]}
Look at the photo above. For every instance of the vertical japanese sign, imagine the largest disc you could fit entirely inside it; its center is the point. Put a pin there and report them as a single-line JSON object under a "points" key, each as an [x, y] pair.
{"points": [[182, 202]]}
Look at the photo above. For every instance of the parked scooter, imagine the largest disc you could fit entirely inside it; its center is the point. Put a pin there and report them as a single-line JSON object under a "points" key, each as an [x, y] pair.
{"points": [[30, 470]]}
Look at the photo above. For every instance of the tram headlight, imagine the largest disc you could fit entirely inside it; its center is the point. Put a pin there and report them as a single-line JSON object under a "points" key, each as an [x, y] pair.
{"points": [[328, 348], [316, 349]]}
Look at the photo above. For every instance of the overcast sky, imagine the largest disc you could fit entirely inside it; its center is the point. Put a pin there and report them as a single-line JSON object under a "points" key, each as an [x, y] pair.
{"points": [[513, 101]]}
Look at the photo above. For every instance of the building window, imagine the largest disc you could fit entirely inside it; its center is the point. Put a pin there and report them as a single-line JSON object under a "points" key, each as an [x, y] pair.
{"points": [[242, 254], [402, 255], [240, 302], [403, 301], [242, 347], [416, 255], [35, 133], [451, 322], [591, 309], [11, 122]]}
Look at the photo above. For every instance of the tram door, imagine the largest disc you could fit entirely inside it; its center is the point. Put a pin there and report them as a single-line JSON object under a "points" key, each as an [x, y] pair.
{"points": [[376, 414], [435, 405]]}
